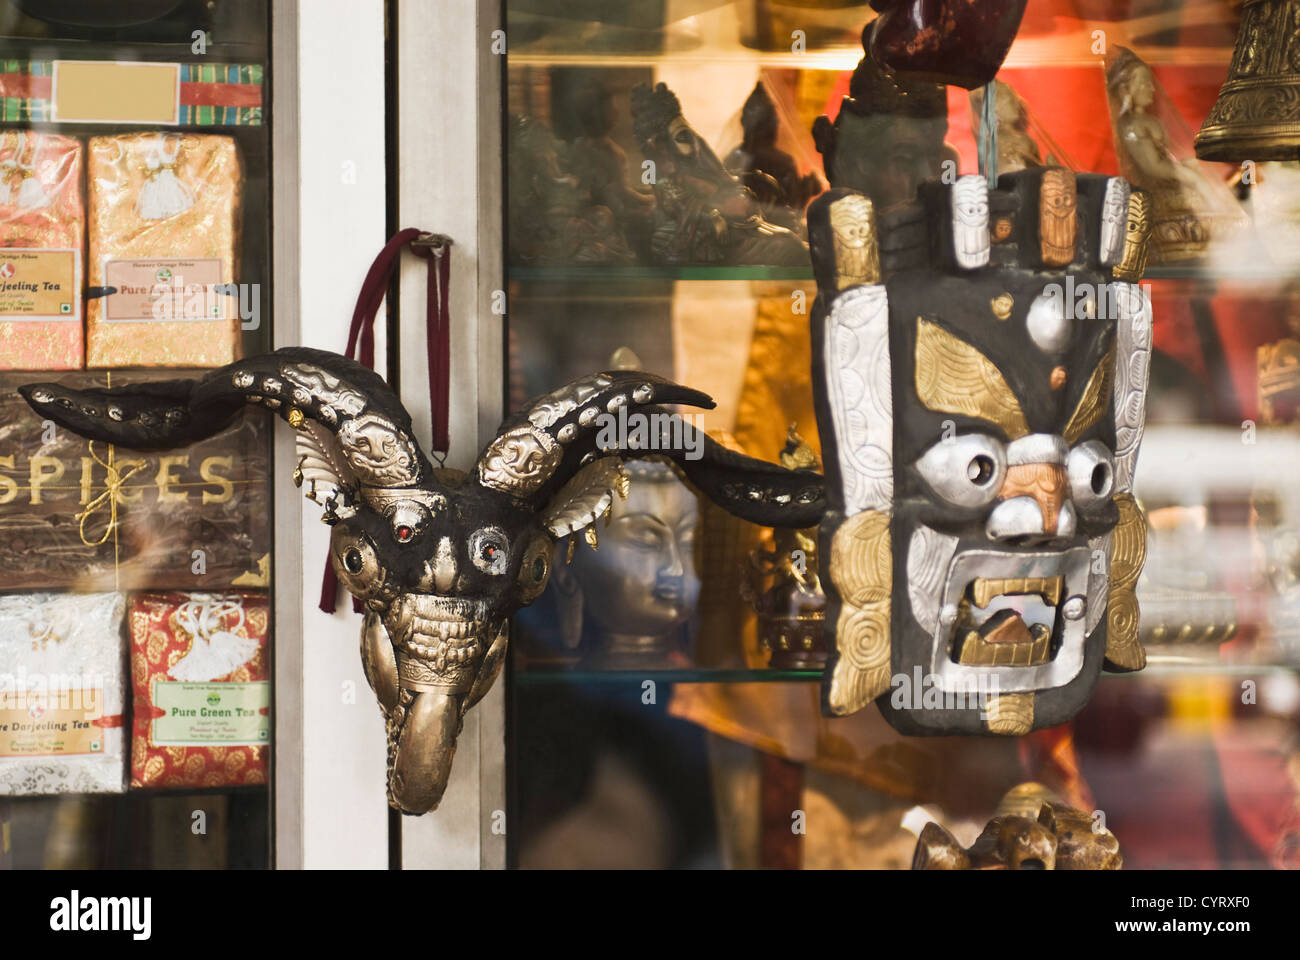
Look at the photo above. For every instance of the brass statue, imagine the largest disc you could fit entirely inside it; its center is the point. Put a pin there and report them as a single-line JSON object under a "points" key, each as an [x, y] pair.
{"points": [[631, 597], [600, 164], [1032, 830], [552, 219], [1017, 149], [1188, 212], [783, 585]]}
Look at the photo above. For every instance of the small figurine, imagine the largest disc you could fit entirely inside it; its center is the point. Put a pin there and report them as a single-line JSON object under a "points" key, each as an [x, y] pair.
{"points": [[1032, 830], [1188, 213], [600, 164], [552, 221], [768, 171], [704, 214], [783, 586]]}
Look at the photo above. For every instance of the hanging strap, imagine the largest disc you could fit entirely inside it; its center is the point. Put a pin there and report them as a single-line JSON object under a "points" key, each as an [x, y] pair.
{"points": [[436, 249]]}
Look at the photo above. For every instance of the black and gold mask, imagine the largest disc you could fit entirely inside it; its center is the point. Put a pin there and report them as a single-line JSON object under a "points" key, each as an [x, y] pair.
{"points": [[980, 420]]}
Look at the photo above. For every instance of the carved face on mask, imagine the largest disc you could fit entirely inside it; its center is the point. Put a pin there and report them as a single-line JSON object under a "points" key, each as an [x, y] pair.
{"points": [[982, 538], [970, 221], [853, 229], [440, 559], [1133, 262], [1057, 206]]}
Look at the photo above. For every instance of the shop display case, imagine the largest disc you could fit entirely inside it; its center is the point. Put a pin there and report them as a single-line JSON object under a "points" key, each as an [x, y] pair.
{"points": [[663, 693], [166, 183], [997, 324], [137, 160]]}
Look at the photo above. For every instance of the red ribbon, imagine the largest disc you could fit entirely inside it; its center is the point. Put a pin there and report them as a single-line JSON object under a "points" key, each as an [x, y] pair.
{"points": [[361, 343], [114, 720]]}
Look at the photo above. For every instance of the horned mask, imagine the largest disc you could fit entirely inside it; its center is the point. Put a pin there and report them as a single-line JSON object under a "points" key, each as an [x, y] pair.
{"points": [[439, 558], [980, 412]]}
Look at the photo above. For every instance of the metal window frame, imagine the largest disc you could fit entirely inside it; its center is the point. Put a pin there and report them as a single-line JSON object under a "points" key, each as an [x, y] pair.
{"points": [[329, 758]]}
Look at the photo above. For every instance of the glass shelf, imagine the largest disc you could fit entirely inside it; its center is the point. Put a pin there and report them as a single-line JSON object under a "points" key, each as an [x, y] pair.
{"points": [[613, 275], [1155, 668], [704, 675], [633, 274]]}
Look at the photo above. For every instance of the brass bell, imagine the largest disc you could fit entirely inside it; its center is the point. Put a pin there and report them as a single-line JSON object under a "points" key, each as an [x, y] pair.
{"points": [[1257, 115]]}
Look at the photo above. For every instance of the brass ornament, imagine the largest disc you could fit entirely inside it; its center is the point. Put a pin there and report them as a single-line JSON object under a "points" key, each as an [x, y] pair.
{"points": [[1011, 714], [862, 572], [1128, 552], [1096, 395], [953, 377], [1057, 208], [1032, 829], [853, 227], [1057, 378], [379, 454], [1002, 305], [586, 497], [520, 461], [1257, 114], [1278, 388], [1137, 236]]}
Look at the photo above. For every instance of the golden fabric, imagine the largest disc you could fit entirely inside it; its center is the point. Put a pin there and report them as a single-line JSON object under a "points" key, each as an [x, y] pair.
{"points": [[201, 176]]}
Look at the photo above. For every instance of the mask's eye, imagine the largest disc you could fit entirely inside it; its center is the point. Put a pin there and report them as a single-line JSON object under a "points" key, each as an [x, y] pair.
{"points": [[355, 561], [967, 470], [490, 550], [408, 519], [534, 570], [1091, 468]]}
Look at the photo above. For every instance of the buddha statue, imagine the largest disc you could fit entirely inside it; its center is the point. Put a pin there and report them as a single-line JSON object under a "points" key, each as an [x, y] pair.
{"points": [[629, 601], [1189, 213], [768, 171]]}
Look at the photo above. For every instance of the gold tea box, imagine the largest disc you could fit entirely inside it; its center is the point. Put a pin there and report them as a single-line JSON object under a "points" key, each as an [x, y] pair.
{"points": [[164, 223]]}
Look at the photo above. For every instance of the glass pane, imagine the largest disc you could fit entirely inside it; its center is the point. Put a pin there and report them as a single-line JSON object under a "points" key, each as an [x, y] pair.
{"points": [[664, 689]]}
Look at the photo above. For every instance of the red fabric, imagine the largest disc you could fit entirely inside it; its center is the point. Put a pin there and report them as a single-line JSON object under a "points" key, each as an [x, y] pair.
{"points": [[220, 94], [26, 86]]}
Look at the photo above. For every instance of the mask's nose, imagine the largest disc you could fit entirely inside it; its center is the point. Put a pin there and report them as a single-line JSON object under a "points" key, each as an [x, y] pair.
{"points": [[444, 566], [1034, 505]]}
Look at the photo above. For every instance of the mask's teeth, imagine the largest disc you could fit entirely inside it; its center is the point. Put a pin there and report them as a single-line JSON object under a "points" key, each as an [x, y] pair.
{"points": [[984, 590]]}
